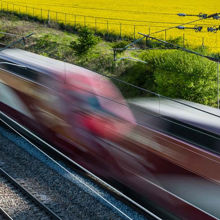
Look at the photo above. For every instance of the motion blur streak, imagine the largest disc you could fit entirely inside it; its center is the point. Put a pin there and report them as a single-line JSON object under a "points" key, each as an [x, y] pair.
{"points": [[152, 153]]}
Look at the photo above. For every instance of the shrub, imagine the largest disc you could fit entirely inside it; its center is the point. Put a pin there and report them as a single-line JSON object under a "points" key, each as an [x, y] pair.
{"points": [[45, 42], [85, 42], [138, 74], [181, 75]]}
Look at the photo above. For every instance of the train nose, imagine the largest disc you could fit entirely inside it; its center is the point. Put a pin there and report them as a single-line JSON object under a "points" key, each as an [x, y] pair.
{"points": [[106, 126]]}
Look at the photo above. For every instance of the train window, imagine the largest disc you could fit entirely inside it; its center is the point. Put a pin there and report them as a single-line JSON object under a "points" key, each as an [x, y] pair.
{"points": [[19, 70]]}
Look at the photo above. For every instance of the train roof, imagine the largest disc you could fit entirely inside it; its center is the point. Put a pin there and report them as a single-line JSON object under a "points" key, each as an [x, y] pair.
{"points": [[47, 65], [40, 63], [202, 116], [158, 104]]}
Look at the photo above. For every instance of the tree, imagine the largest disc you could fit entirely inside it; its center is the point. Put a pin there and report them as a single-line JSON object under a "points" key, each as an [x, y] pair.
{"points": [[85, 42], [186, 76]]}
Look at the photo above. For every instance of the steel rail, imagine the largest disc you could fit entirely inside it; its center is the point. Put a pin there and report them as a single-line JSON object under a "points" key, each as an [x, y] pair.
{"points": [[5, 214], [102, 182], [29, 195], [99, 180]]}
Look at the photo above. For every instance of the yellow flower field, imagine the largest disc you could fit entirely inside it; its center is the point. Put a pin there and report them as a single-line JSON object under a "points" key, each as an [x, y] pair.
{"points": [[130, 17]]}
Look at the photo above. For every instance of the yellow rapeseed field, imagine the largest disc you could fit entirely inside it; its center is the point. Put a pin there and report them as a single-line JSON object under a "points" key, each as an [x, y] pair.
{"points": [[130, 17]]}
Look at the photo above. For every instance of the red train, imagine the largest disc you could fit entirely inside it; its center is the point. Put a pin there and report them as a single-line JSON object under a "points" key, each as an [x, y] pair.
{"points": [[85, 116]]}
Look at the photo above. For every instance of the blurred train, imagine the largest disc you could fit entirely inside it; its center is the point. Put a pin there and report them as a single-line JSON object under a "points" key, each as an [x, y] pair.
{"points": [[85, 116], [192, 122]]}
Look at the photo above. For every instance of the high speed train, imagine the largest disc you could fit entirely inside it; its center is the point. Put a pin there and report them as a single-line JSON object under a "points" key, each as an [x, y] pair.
{"points": [[192, 122], [85, 116]]}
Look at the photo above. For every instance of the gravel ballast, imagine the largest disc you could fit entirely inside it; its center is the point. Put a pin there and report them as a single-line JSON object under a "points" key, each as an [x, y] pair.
{"points": [[65, 198]]}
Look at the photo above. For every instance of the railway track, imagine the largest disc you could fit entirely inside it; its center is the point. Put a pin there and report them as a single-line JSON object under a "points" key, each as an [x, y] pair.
{"points": [[50, 151], [57, 189], [13, 191], [4, 215]]}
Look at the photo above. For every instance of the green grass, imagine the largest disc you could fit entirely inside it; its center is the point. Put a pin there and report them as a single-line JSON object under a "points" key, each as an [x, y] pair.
{"points": [[163, 64]]}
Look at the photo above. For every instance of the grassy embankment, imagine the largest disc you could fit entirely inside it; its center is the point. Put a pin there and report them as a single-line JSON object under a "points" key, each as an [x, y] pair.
{"points": [[170, 72]]}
